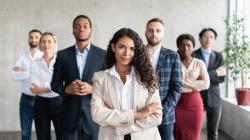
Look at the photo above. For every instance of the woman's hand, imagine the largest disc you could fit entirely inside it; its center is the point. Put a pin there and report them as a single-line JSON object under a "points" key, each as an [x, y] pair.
{"points": [[38, 90], [148, 110]]}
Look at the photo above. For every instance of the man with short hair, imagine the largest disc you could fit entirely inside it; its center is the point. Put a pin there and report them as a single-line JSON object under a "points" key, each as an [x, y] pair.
{"points": [[217, 73], [72, 79], [21, 72], [168, 67]]}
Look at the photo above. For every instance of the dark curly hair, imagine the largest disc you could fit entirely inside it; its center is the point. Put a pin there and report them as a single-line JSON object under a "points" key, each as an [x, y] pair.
{"points": [[141, 61]]}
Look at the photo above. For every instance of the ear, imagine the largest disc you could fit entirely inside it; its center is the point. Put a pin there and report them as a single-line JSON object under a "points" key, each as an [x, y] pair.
{"points": [[113, 47]]}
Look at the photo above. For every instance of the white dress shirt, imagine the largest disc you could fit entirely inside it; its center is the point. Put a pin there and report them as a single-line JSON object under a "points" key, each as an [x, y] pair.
{"points": [[154, 57], [125, 91], [81, 58], [195, 76], [42, 75], [25, 62]]}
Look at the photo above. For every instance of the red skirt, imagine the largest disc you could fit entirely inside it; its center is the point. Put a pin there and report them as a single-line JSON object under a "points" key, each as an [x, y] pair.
{"points": [[189, 115]]}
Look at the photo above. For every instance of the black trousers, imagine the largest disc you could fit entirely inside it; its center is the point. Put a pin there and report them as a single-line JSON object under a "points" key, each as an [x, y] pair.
{"points": [[47, 110], [80, 133], [213, 120], [127, 137]]}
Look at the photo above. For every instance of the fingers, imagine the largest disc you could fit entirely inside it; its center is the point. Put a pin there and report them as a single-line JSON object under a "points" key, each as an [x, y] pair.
{"points": [[79, 87]]}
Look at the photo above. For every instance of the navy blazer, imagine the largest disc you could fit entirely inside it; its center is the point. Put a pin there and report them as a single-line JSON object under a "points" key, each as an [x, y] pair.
{"points": [[211, 96], [170, 74], [66, 71]]}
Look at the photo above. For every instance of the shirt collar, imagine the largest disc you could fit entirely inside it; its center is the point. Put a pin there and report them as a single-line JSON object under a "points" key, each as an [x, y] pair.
{"points": [[112, 71], [207, 51], [78, 50]]}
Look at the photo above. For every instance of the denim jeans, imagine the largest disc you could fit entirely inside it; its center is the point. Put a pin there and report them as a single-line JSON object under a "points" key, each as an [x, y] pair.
{"points": [[26, 115], [166, 131]]}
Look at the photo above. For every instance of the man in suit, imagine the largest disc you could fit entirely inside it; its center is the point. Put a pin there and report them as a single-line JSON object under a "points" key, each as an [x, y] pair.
{"points": [[211, 97], [168, 66], [72, 79]]}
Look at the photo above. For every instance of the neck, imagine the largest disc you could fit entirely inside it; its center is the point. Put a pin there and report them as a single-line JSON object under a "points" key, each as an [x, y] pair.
{"points": [[187, 61], [33, 51], [151, 49], [48, 57], [82, 45], [123, 70]]}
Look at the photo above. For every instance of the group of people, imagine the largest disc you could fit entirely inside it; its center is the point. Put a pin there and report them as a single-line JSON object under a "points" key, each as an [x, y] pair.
{"points": [[131, 91]]}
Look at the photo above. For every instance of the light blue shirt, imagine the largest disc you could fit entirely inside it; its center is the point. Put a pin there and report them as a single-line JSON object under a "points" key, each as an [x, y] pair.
{"points": [[81, 59], [206, 53]]}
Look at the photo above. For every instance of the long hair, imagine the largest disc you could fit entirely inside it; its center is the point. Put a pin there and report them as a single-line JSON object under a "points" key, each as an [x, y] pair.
{"points": [[141, 61]]}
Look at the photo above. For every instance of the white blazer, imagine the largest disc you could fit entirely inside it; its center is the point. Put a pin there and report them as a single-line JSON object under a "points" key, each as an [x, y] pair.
{"points": [[114, 123]]}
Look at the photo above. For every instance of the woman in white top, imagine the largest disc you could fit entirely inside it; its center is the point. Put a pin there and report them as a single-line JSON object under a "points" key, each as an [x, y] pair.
{"points": [[189, 110], [125, 100], [47, 103]]}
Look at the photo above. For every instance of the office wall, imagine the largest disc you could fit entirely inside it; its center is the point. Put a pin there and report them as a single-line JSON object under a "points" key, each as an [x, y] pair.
{"points": [[17, 17]]}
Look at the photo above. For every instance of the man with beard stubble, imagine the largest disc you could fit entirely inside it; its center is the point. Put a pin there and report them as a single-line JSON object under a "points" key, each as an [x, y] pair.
{"points": [[72, 79], [21, 72], [168, 67]]}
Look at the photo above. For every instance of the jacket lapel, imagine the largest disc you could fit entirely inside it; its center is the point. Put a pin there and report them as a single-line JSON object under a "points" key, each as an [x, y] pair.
{"points": [[73, 61], [90, 59], [211, 60], [161, 58], [199, 55], [111, 90]]}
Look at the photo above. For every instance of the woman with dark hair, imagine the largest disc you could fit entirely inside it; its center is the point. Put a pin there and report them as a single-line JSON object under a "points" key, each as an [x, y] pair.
{"points": [[189, 110], [125, 100]]}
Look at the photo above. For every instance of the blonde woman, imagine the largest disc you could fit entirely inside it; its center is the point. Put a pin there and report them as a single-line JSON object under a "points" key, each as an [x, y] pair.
{"points": [[47, 103]]}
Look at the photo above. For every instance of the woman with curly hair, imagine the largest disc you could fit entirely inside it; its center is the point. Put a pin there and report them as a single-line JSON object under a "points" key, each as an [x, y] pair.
{"points": [[125, 100]]}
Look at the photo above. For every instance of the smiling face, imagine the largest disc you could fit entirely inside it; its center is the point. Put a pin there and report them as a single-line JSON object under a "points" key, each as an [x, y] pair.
{"points": [[124, 50], [33, 39], [47, 44], [154, 33], [82, 29]]}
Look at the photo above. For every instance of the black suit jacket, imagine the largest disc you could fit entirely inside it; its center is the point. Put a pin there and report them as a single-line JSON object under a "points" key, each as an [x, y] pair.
{"points": [[211, 96], [66, 71]]}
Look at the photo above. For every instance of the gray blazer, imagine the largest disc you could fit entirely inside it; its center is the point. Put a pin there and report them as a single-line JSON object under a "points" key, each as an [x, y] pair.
{"points": [[211, 96]]}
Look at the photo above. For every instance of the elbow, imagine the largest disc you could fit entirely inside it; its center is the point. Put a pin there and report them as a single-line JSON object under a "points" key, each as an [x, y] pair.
{"points": [[207, 85]]}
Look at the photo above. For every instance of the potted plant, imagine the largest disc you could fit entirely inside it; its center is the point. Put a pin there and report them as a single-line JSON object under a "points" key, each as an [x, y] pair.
{"points": [[237, 52]]}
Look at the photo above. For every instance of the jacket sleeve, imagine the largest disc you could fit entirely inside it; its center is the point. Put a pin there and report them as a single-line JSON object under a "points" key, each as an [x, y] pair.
{"points": [[214, 78], [152, 121], [57, 81], [103, 115], [175, 85]]}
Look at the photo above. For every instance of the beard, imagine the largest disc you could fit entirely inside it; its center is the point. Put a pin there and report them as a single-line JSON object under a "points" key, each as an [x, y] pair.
{"points": [[83, 39], [153, 42], [33, 45]]}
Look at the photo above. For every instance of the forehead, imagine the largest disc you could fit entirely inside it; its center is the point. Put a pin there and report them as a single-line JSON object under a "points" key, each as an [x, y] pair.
{"points": [[154, 25], [126, 41], [81, 21], [209, 33], [35, 34], [46, 37]]}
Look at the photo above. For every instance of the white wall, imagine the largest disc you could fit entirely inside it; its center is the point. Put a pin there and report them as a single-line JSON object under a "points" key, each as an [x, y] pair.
{"points": [[19, 16]]}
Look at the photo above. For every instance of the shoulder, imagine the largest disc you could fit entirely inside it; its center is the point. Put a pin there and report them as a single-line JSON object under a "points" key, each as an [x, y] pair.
{"points": [[98, 50], [100, 76], [217, 53], [169, 53], [199, 62]]}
